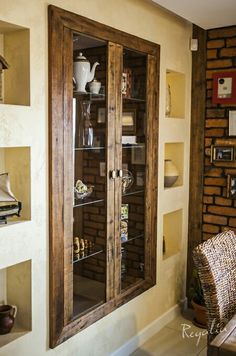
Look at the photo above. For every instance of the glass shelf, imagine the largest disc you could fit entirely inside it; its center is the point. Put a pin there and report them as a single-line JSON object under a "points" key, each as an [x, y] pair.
{"points": [[88, 201], [93, 97], [133, 145], [135, 99], [91, 254], [89, 148], [133, 193], [140, 236]]}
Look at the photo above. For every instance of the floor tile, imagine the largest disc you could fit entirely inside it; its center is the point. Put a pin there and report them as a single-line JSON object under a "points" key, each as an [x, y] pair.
{"points": [[173, 340]]}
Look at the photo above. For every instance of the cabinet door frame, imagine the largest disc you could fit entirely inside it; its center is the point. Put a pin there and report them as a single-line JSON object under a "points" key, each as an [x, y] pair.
{"points": [[61, 25]]}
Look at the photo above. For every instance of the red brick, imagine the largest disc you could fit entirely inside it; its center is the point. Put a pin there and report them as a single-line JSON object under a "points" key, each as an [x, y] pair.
{"points": [[216, 44], [208, 199], [215, 181], [215, 113], [219, 63], [214, 229], [208, 142], [211, 54], [228, 52], [222, 210], [214, 132], [213, 172], [223, 201], [232, 222], [209, 84], [212, 190], [231, 42], [222, 32], [216, 123], [208, 151], [214, 219], [204, 208], [206, 236], [209, 96]]}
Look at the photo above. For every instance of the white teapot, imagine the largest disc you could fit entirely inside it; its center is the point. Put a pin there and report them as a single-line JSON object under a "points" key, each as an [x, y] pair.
{"points": [[82, 73]]}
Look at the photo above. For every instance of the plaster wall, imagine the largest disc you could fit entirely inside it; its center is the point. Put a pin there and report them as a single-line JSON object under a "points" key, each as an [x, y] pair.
{"points": [[27, 126]]}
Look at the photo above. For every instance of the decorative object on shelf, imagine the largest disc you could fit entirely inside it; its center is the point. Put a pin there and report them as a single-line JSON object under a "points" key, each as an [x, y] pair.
{"points": [[85, 127], [3, 65], [124, 230], [140, 179], [127, 180], [101, 115], [231, 186], [222, 153], [82, 247], [82, 73], [128, 140], [171, 173], [7, 318], [129, 121], [138, 154], [76, 245], [7, 208], [168, 100], [94, 86], [124, 211], [126, 87], [82, 190]]}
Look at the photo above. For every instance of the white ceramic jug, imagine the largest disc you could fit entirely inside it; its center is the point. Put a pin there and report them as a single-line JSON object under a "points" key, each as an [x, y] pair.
{"points": [[82, 73]]}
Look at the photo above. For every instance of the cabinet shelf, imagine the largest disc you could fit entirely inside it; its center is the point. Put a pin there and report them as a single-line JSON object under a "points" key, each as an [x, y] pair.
{"points": [[89, 148], [92, 97], [133, 193], [88, 201], [91, 254], [135, 145], [140, 236], [134, 99]]}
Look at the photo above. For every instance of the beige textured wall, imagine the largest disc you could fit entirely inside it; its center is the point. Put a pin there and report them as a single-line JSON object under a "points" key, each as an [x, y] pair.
{"points": [[27, 126]]}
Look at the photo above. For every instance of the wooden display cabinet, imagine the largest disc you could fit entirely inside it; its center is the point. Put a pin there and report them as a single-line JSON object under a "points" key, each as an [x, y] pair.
{"points": [[102, 246]]}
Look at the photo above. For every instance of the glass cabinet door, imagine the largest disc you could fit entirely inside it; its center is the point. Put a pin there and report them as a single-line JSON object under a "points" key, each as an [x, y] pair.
{"points": [[90, 190], [133, 186]]}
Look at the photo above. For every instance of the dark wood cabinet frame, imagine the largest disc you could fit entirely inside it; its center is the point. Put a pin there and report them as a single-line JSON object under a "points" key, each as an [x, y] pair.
{"points": [[62, 25]]}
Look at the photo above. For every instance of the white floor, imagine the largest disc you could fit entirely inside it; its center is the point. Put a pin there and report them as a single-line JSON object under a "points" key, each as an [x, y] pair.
{"points": [[178, 338]]}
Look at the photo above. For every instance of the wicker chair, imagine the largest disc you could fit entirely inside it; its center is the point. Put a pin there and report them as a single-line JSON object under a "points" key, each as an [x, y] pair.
{"points": [[215, 261]]}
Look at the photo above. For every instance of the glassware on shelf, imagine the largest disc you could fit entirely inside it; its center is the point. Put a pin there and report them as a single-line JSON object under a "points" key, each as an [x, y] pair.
{"points": [[127, 180], [168, 100], [82, 190], [85, 127]]}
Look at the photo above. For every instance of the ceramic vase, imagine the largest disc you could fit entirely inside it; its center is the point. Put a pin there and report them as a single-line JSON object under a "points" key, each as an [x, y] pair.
{"points": [[171, 173]]}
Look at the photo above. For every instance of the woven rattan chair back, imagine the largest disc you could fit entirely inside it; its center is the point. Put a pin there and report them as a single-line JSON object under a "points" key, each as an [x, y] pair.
{"points": [[215, 260]]}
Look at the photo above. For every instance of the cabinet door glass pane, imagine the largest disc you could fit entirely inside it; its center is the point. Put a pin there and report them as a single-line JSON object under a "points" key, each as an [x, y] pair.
{"points": [[89, 226], [132, 225]]}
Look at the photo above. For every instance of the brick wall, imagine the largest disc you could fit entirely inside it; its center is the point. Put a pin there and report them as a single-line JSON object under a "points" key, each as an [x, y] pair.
{"points": [[219, 212]]}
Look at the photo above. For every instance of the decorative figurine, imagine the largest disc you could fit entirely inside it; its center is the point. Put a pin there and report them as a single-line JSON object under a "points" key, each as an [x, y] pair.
{"points": [[7, 207]]}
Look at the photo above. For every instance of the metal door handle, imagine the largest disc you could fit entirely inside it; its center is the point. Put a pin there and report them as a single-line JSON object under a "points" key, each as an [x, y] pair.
{"points": [[113, 174], [120, 173]]}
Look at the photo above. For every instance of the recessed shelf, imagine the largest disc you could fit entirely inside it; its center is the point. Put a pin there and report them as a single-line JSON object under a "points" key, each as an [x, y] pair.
{"points": [[172, 233], [175, 83], [16, 162], [174, 152], [14, 47], [15, 289]]}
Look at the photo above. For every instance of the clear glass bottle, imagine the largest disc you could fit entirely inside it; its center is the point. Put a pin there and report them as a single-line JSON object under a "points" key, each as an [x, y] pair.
{"points": [[87, 133]]}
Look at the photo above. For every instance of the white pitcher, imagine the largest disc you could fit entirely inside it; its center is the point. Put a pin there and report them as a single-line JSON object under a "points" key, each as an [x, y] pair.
{"points": [[82, 73]]}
